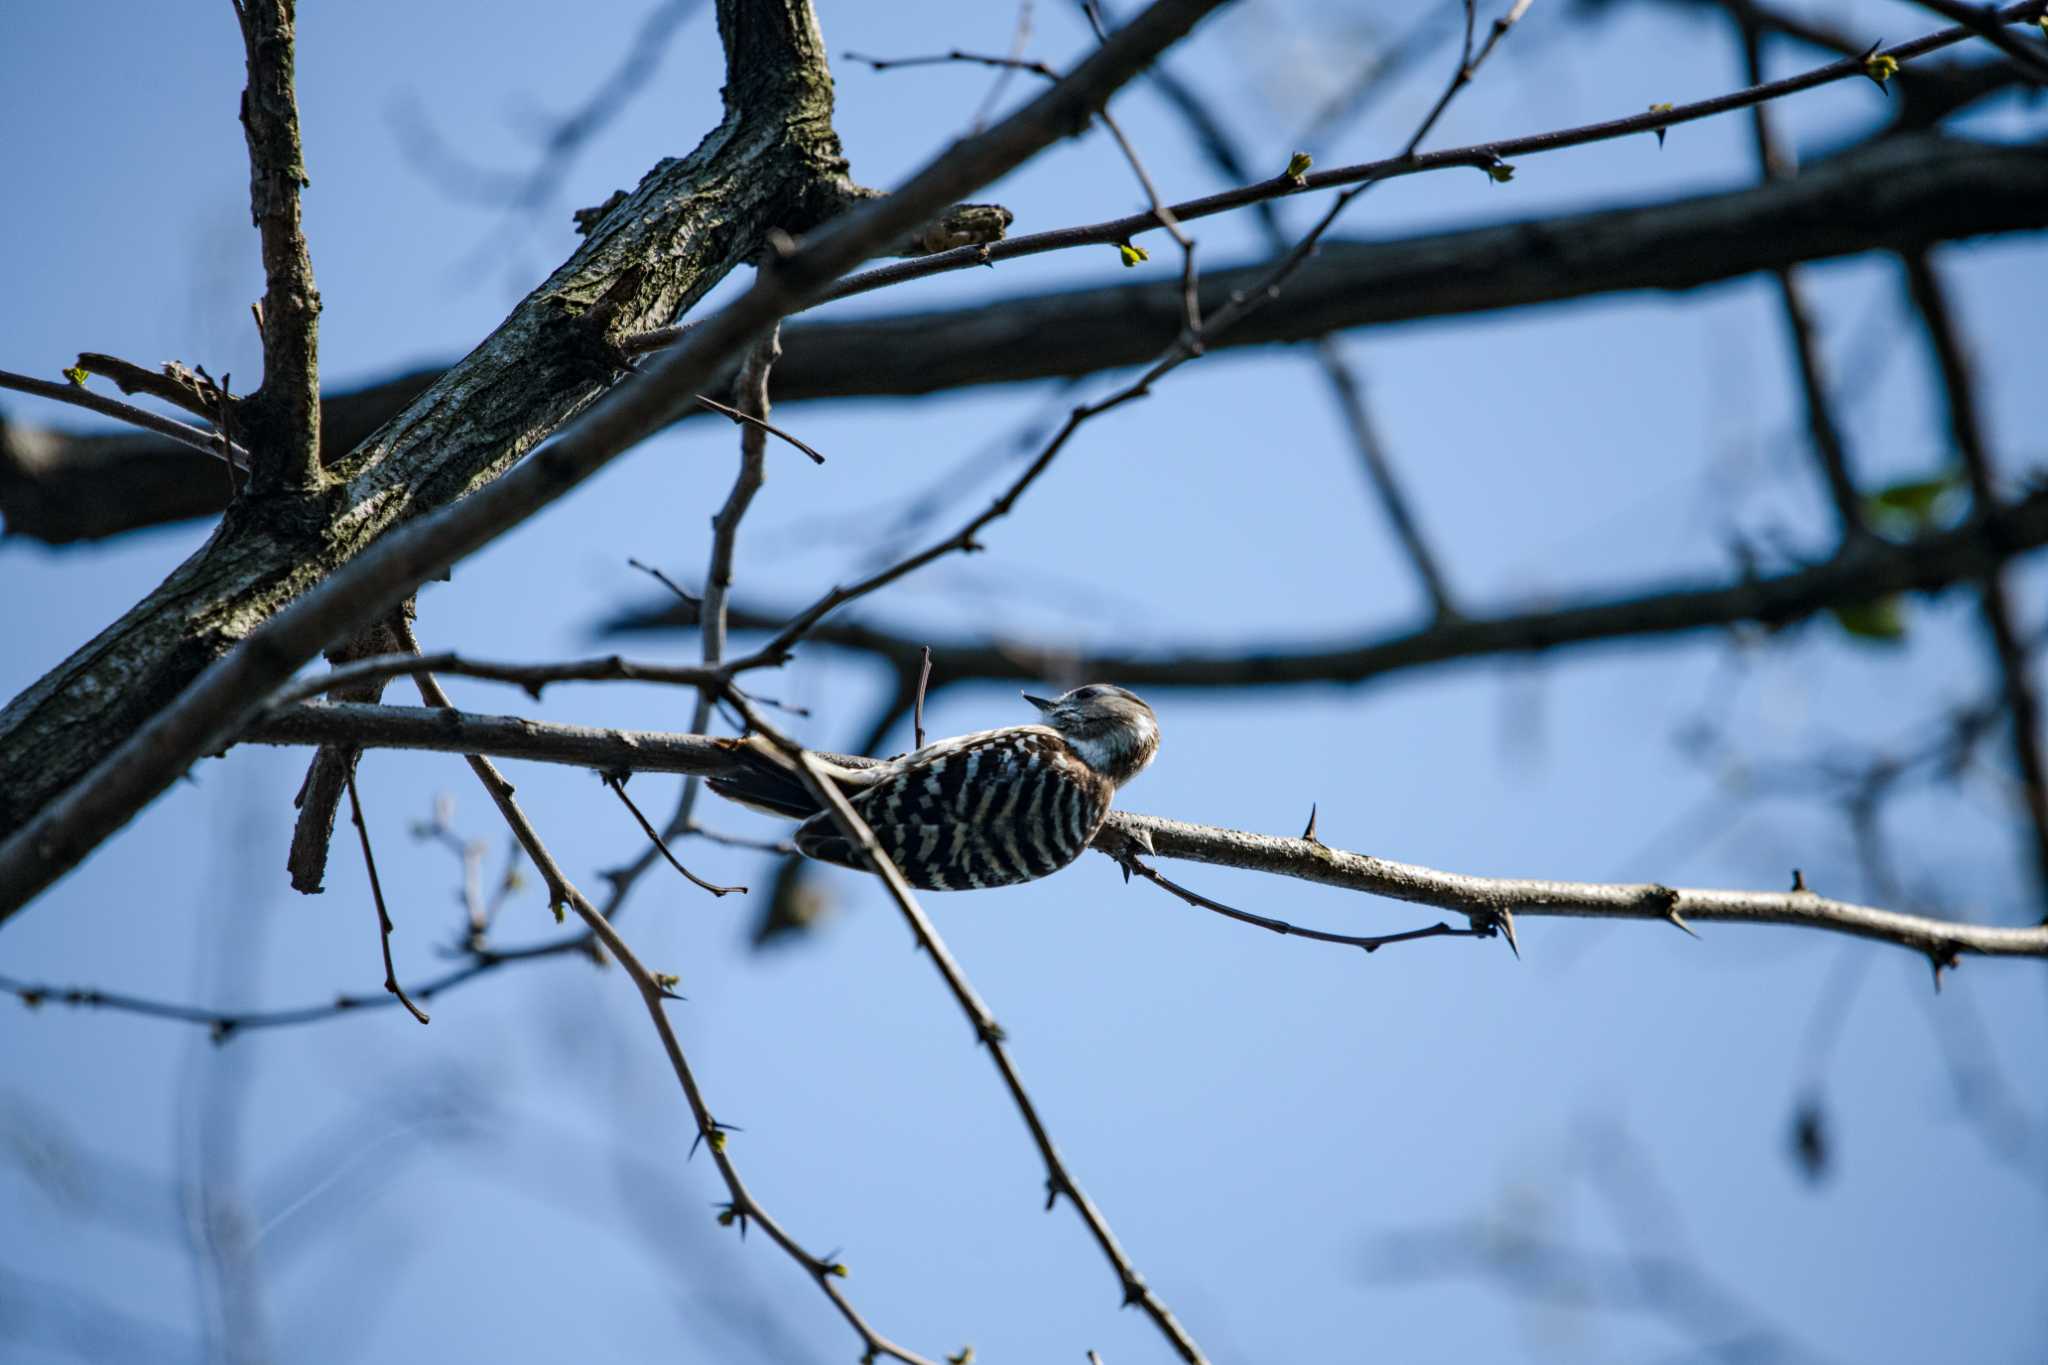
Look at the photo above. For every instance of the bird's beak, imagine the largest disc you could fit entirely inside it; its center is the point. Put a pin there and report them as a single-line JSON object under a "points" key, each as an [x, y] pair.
{"points": [[1040, 702]]}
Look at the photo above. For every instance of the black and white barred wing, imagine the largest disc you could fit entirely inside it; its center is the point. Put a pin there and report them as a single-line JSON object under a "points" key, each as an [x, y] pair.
{"points": [[765, 778], [992, 809]]}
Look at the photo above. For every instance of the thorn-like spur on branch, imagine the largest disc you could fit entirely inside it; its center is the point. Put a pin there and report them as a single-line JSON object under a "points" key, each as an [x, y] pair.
{"points": [[924, 679], [94, 781]]}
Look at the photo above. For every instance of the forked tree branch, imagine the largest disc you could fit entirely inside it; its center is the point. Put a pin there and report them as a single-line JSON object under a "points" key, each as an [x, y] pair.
{"points": [[216, 703]]}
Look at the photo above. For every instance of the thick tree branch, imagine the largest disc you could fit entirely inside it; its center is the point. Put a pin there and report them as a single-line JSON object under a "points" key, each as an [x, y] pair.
{"points": [[1127, 834], [1888, 195], [107, 787]]}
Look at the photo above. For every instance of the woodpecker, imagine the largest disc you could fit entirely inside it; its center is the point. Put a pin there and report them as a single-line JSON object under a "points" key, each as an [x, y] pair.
{"points": [[991, 808]]}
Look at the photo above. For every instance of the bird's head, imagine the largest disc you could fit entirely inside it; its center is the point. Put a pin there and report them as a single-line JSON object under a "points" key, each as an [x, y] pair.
{"points": [[1113, 731]]}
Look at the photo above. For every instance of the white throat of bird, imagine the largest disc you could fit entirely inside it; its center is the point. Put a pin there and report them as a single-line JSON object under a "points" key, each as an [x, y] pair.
{"points": [[1119, 752]]}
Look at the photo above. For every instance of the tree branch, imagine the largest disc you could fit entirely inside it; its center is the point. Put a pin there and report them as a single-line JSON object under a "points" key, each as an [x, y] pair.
{"points": [[77, 395], [1490, 898], [1873, 569], [282, 417], [1887, 195], [1126, 834]]}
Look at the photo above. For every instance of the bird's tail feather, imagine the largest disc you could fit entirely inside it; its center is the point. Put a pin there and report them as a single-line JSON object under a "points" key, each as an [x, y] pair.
{"points": [[765, 779]]}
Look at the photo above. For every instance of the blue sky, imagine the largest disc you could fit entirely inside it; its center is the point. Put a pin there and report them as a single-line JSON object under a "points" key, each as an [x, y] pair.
{"points": [[1254, 1114]]}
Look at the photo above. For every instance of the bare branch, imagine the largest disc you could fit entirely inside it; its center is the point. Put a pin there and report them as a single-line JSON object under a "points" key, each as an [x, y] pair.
{"points": [[78, 396], [355, 810], [1989, 23], [738, 416], [1126, 858], [618, 786], [1489, 897], [534, 678], [1306, 859], [1773, 601], [1893, 193], [283, 416]]}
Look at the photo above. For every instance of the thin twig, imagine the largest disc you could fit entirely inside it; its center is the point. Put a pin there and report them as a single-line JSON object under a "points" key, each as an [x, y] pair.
{"points": [[1020, 38], [1191, 312], [666, 582], [1370, 942], [715, 406], [532, 678], [355, 810], [1989, 24], [78, 396], [618, 786]]}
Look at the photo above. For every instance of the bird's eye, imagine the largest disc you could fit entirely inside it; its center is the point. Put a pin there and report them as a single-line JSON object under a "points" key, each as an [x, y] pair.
{"points": [[1088, 694]]}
